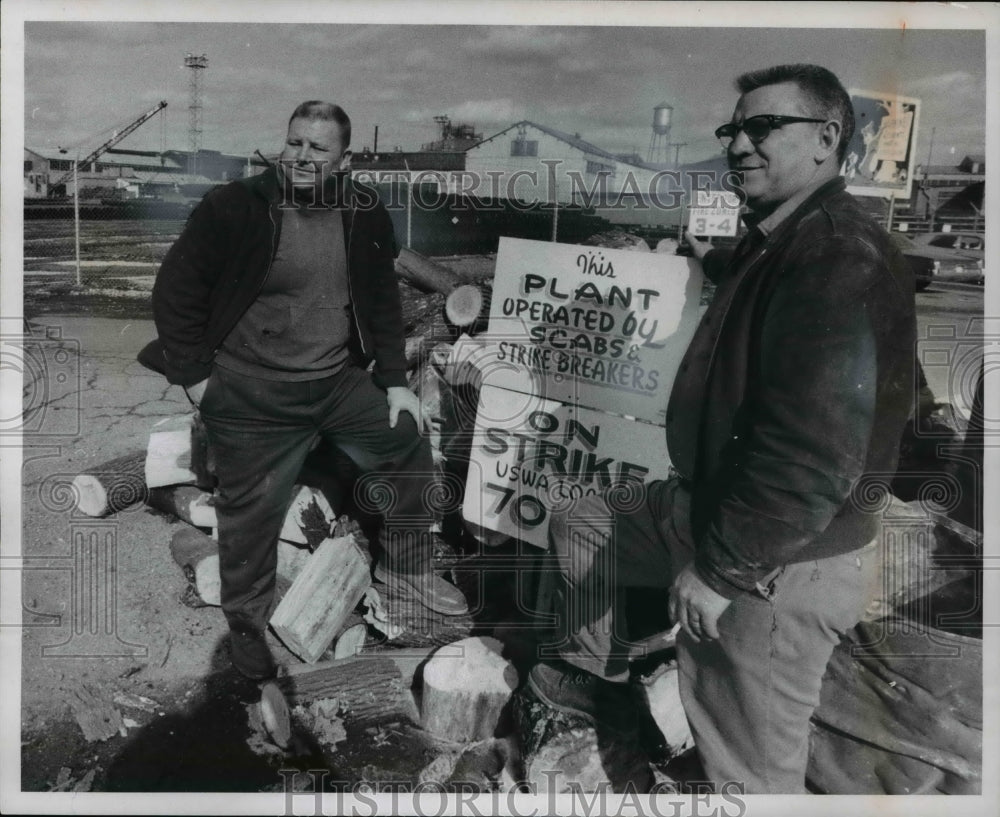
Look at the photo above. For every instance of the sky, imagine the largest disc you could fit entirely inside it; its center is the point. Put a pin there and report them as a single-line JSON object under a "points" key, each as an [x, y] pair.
{"points": [[83, 79]]}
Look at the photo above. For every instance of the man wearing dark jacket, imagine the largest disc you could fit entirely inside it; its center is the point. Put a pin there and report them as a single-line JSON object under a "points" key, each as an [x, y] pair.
{"points": [[783, 427], [277, 294]]}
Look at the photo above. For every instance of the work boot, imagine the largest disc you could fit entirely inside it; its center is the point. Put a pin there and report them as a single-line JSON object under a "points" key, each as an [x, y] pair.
{"points": [[583, 694], [427, 588], [250, 654]]}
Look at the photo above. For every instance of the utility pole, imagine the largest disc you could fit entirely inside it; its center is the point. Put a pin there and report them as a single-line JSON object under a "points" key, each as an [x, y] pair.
{"points": [[923, 181], [677, 151]]}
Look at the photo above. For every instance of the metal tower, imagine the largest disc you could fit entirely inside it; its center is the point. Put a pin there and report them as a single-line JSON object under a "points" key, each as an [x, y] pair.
{"points": [[195, 64]]}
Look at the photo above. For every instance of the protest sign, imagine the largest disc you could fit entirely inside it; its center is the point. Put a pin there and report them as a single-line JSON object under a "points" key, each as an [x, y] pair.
{"points": [[590, 326], [532, 456], [715, 212]]}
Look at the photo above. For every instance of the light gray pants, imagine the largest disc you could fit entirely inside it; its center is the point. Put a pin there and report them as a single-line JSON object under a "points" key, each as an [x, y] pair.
{"points": [[749, 695]]}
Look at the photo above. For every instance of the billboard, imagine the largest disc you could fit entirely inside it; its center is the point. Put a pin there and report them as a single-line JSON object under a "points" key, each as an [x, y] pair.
{"points": [[880, 156]]}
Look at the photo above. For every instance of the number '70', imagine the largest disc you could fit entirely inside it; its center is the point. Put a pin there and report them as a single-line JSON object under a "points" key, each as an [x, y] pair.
{"points": [[526, 510]]}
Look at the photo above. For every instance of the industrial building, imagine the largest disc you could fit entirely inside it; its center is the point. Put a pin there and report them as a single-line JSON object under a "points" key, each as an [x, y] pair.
{"points": [[951, 191], [532, 162], [129, 174]]}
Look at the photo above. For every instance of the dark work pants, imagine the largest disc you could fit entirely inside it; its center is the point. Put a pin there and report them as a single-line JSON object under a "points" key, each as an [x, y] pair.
{"points": [[748, 696], [260, 432]]}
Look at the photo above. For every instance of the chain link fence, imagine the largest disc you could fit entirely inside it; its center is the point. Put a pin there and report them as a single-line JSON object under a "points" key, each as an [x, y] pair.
{"points": [[113, 248]]}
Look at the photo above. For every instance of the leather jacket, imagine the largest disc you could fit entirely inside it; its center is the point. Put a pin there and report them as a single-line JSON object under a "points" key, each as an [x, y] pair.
{"points": [[218, 265], [785, 418]]}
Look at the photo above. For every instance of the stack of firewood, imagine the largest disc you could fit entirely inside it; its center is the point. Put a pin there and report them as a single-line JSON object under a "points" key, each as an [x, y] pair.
{"points": [[324, 581]]}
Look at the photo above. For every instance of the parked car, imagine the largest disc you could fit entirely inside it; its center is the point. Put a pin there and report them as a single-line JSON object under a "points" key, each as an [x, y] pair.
{"points": [[960, 255], [923, 266]]}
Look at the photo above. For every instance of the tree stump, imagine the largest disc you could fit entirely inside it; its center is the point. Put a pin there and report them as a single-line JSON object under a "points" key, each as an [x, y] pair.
{"points": [[111, 487], [466, 686]]}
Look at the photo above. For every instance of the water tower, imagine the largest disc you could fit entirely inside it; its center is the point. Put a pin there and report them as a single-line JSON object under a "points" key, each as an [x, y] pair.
{"points": [[659, 140]]}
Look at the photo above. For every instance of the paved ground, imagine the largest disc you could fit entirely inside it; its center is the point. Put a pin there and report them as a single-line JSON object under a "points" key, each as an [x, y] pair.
{"points": [[100, 597]]}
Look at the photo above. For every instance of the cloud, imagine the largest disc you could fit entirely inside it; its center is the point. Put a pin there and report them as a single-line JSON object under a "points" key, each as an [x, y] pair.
{"points": [[523, 42], [479, 112], [960, 84]]}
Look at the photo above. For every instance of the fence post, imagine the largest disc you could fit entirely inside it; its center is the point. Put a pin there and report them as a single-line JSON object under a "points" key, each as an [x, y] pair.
{"points": [[76, 215], [409, 206]]}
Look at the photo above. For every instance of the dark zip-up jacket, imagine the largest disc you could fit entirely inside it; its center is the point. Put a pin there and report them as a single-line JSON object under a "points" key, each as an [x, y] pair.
{"points": [[787, 411], [218, 265]]}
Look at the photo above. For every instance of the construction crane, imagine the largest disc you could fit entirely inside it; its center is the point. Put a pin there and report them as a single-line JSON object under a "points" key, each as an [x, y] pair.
{"points": [[114, 140]]}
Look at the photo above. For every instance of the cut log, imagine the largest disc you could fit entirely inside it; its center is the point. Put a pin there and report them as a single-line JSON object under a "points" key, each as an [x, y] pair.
{"points": [[351, 641], [186, 502], [425, 274], [308, 522], [662, 695], [370, 687], [465, 305], [466, 686], [168, 453], [321, 598], [198, 554], [274, 714], [111, 487]]}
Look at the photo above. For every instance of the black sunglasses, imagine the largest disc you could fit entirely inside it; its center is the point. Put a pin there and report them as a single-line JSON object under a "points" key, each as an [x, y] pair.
{"points": [[757, 128]]}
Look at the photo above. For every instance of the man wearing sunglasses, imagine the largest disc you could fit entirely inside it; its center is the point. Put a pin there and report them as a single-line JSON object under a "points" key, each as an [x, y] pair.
{"points": [[783, 426]]}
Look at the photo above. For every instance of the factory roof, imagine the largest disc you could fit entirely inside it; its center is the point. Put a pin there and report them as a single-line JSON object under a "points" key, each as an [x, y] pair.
{"points": [[575, 141], [173, 178], [116, 158]]}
